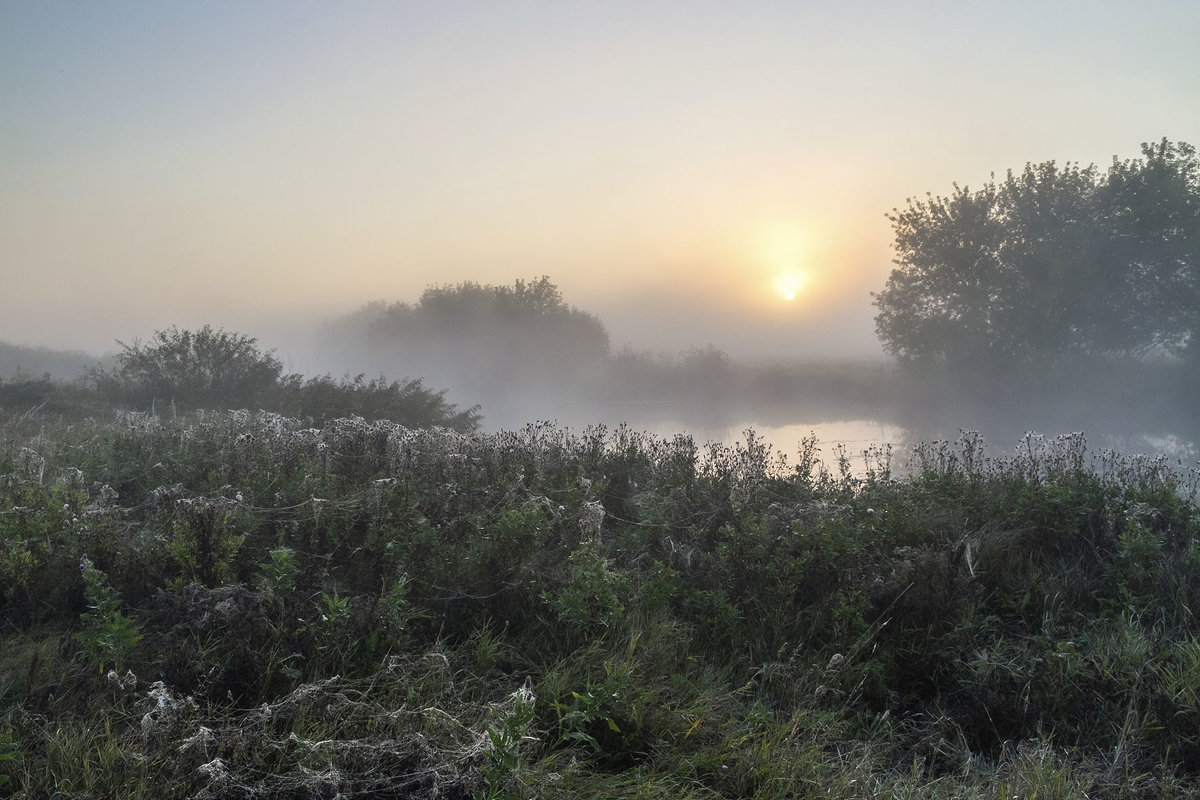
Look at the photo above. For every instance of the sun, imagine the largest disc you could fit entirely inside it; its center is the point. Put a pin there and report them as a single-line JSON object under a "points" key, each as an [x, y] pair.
{"points": [[789, 285], [784, 249]]}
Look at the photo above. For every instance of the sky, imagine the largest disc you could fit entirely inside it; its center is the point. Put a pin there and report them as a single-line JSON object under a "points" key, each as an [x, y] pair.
{"points": [[695, 173]]}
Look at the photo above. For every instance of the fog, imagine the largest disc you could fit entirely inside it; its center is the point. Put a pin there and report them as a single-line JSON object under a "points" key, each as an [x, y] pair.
{"points": [[654, 368], [710, 184]]}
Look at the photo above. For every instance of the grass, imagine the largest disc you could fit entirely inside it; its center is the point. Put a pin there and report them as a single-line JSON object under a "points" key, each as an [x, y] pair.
{"points": [[243, 605]]}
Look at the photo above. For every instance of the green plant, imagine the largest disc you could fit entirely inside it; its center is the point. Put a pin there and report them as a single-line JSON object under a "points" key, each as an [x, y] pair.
{"points": [[396, 614], [278, 573], [203, 539], [592, 596], [959, 632], [10, 754], [331, 631], [504, 758], [108, 635], [17, 564], [335, 610], [592, 714]]}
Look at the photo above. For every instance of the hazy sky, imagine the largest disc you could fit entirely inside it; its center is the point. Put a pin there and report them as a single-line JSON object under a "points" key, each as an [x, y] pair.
{"points": [[262, 164]]}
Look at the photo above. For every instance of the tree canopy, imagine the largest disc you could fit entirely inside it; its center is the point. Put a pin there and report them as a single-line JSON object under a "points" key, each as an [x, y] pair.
{"points": [[529, 317], [478, 337], [204, 368], [1052, 261]]}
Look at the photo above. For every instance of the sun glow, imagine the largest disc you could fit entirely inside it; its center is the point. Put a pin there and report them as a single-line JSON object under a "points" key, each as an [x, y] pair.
{"points": [[785, 253], [789, 285]]}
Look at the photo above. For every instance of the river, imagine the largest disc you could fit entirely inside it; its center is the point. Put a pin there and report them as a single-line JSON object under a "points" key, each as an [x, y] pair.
{"points": [[856, 437]]}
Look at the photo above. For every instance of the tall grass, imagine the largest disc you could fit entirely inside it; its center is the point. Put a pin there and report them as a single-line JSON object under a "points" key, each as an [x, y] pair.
{"points": [[241, 604]]}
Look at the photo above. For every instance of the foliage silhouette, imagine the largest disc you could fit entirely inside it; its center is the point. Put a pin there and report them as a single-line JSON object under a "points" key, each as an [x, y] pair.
{"points": [[479, 337], [407, 402], [200, 369], [1053, 261], [218, 369]]}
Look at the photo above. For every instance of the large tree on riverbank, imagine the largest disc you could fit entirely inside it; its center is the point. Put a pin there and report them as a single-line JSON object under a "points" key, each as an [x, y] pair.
{"points": [[1052, 261]]}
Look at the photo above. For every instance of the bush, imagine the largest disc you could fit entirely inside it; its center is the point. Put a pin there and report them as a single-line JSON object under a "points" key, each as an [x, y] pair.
{"points": [[28, 396], [408, 403], [209, 369], [195, 369]]}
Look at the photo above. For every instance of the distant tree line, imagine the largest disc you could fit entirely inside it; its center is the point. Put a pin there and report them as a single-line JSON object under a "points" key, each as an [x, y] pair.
{"points": [[1051, 262], [25, 361]]}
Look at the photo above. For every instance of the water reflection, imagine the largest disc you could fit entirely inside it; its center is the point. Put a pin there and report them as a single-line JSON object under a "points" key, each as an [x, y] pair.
{"points": [[1139, 409], [854, 436], [858, 439]]}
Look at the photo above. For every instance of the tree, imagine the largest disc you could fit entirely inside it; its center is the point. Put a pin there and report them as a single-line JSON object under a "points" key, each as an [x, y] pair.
{"points": [[479, 337], [1052, 261], [200, 369], [523, 317]]}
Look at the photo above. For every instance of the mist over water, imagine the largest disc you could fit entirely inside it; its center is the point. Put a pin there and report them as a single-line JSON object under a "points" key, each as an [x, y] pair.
{"points": [[550, 361], [895, 430], [850, 404]]}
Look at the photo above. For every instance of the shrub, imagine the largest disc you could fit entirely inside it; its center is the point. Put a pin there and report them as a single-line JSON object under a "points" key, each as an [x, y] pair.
{"points": [[196, 369], [407, 402], [108, 635]]}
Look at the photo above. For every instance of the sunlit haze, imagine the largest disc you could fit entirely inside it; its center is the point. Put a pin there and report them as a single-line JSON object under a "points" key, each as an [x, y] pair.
{"points": [[692, 173]]}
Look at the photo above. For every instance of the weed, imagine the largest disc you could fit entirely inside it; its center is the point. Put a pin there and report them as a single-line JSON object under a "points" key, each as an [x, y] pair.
{"points": [[108, 635], [9, 757], [278, 574], [591, 598], [506, 740], [204, 539]]}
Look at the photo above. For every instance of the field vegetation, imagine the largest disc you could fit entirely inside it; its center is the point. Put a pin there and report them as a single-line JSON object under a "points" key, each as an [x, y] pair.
{"points": [[245, 604]]}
